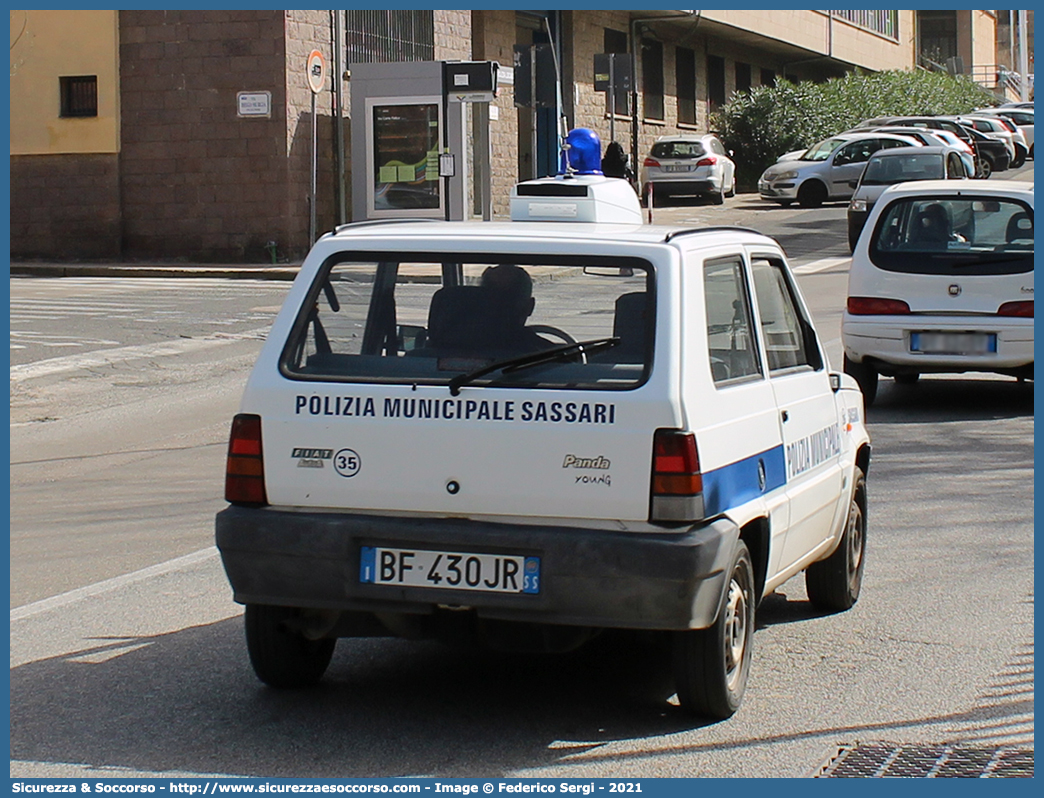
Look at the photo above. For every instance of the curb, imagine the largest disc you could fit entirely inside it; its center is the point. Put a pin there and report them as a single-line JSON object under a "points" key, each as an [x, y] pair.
{"points": [[246, 272]]}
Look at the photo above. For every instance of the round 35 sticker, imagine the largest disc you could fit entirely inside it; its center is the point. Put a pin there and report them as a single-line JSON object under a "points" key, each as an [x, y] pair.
{"points": [[347, 462]]}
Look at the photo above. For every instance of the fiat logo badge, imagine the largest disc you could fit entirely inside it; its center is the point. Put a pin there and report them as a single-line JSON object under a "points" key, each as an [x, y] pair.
{"points": [[955, 290]]}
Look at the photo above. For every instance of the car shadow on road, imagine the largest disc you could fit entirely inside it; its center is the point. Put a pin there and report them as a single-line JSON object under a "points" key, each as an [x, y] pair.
{"points": [[935, 398], [187, 701]]}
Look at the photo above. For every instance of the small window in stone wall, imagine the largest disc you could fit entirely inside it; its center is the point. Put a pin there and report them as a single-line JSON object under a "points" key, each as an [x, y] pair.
{"points": [[79, 95]]}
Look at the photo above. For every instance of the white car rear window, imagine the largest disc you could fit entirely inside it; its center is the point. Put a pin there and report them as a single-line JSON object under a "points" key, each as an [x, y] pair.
{"points": [[553, 322]]}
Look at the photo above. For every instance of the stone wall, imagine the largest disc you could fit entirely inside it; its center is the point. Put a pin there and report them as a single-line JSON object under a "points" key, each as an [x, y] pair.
{"points": [[197, 181], [65, 207]]}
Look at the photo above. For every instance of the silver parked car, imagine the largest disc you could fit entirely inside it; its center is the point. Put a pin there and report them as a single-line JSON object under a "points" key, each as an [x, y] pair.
{"points": [[689, 165], [888, 167], [826, 170]]}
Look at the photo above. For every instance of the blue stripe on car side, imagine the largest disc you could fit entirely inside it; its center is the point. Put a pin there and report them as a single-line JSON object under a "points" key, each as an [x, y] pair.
{"points": [[736, 483]]}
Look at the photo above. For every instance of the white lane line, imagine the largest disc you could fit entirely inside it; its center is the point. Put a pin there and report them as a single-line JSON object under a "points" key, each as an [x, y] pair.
{"points": [[820, 265], [57, 365], [108, 585]]}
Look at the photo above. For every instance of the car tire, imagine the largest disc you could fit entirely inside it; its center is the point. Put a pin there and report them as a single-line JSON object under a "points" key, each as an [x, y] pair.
{"points": [[718, 197], [732, 191], [281, 657], [985, 168], [866, 376], [833, 584], [907, 379], [711, 665], [1020, 158], [812, 194]]}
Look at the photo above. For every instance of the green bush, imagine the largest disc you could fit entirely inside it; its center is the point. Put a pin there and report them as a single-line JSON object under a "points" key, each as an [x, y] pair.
{"points": [[761, 124]]}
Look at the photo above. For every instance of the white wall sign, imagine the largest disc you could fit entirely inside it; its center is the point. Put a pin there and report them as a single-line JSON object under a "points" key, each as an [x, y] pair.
{"points": [[254, 103]]}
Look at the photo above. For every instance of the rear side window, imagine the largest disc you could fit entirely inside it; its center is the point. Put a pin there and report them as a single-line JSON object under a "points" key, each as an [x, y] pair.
{"points": [[954, 236], [553, 323], [790, 342], [730, 330]]}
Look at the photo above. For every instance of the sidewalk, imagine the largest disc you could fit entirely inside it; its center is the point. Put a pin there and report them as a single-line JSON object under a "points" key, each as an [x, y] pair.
{"points": [[248, 271]]}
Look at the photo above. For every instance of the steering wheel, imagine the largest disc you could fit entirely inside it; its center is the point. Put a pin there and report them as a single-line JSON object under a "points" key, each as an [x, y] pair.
{"points": [[547, 329]]}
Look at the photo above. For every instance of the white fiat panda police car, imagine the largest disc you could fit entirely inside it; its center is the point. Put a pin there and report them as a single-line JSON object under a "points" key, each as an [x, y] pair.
{"points": [[537, 430]]}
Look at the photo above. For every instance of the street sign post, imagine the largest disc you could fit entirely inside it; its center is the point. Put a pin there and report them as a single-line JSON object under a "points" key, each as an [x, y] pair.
{"points": [[315, 71]]}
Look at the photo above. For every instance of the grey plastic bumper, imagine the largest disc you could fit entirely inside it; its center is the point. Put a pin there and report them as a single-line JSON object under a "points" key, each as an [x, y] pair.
{"points": [[669, 580]]}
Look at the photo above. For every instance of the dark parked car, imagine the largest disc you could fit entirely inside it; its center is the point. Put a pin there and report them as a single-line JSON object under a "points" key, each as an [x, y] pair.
{"points": [[888, 167], [990, 157]]}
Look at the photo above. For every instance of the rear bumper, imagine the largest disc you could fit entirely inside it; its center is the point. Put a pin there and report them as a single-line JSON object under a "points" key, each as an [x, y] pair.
{"points": [[676, 185], [669, 580], [884, 341]]}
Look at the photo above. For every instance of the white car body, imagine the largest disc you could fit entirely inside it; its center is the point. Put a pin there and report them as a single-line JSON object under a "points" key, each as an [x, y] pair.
{"points": [[838, 162], [641, 479], [1022, 117], [992, 128], [689, 164], [942, 282]]}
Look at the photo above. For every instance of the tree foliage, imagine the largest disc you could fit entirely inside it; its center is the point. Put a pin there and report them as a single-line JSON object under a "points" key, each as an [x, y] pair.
{"points": [[761, 124]]}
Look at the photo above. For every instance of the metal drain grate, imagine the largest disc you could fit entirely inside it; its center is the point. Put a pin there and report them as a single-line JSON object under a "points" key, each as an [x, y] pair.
{"points": [[918, 761]]}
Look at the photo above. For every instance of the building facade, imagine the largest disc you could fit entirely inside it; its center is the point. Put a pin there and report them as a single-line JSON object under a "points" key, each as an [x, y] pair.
{"points": [[166, 164]]}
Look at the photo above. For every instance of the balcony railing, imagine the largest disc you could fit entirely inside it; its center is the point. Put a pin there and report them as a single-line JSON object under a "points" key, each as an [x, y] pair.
{"points": [[885, 23]]}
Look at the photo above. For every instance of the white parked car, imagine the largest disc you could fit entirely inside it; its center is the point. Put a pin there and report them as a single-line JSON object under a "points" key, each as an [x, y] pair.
{"points": [[685, 164], [1002, 130], [942, 282], [1022, 117], [523, 433], [826, 170]]}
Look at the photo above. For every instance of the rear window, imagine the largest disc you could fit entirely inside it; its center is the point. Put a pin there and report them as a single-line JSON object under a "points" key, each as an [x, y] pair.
{"points": [[552, 322], [678, 149], [954, 236], [899, 168]]}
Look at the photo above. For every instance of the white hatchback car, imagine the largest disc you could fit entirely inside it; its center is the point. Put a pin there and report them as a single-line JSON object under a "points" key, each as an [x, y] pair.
{"points": [[942, 282], [523, 433], [689, 165]]}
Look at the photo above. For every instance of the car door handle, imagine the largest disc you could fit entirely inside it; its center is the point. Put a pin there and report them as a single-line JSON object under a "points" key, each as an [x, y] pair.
{"points": [[785, 416]]}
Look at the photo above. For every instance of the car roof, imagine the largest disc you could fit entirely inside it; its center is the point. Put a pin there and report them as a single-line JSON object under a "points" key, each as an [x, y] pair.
{"points": [[1011, 188], [684, 137], [937, 149], [407, 234]]}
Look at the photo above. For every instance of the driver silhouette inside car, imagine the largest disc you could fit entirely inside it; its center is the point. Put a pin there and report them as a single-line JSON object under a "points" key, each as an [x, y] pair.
{"points": [[511, 287]]}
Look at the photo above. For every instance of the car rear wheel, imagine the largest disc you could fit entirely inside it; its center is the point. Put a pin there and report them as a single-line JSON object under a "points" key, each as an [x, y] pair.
{"points": [[711, 665], [281, 656], [812, 194], [833, 584], [984, 168], [866, 376], [718, 197], [732, 189]]}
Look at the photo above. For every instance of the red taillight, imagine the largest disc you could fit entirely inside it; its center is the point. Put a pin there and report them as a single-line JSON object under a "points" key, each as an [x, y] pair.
{"points": [[677, 482], [245, 468], [710, 160], [651, 162], [676, 465], [1021, 309], [875, 306]]}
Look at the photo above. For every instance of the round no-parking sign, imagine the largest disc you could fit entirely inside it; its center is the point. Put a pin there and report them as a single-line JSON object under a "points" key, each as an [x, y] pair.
{"points": [[316, 71]]}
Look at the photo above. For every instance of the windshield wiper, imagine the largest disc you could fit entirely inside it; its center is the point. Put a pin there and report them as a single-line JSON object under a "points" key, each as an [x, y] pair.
{"points": [[533, 359]]}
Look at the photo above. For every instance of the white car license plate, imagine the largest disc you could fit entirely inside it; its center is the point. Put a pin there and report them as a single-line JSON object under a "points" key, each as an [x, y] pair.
{"points": [[681, 168], [940, 343], [450, 570]]}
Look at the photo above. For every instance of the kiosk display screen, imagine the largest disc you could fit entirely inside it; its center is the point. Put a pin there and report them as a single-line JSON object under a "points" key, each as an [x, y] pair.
{"points": [[406, 157]]}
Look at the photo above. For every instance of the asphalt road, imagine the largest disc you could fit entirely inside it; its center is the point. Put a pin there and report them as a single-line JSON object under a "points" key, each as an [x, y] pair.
{"points": [[127, 655]]}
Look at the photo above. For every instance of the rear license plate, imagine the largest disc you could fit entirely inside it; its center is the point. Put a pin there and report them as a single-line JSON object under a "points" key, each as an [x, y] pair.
{"points": [[953, 343], [682, 168], [450, 570]]}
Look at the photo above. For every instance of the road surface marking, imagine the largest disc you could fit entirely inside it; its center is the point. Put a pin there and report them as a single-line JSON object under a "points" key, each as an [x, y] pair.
{"points": [[820, 265], [108, 585]]}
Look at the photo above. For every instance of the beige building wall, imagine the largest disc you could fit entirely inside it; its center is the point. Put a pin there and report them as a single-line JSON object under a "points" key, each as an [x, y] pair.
{"points": [[54, 44], [816, 31]]}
